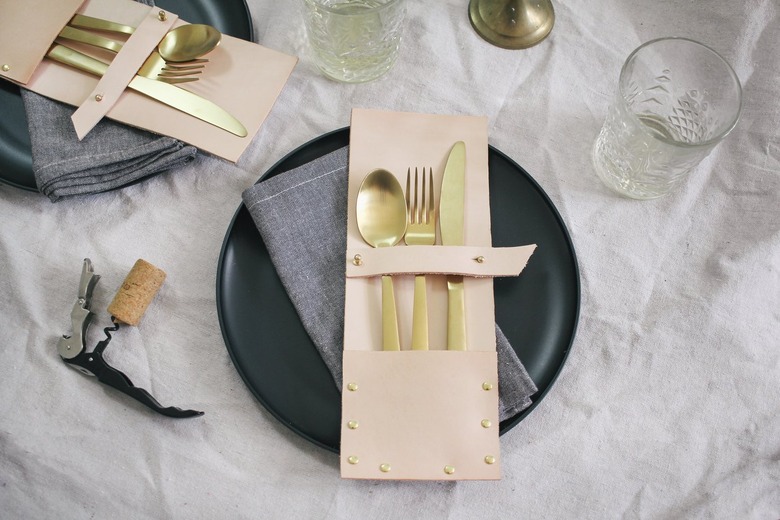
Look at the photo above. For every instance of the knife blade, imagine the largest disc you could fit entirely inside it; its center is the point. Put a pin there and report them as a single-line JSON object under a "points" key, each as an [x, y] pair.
{"points": [[451, 212], [178, 98]]}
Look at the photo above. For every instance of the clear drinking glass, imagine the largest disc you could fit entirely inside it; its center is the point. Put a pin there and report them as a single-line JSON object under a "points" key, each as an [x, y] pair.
{"points": [[354, 40], [676, 100]]}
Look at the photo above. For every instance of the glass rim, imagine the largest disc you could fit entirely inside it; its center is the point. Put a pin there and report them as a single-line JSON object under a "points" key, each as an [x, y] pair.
{"points": [[330, 8], [729, 69]]}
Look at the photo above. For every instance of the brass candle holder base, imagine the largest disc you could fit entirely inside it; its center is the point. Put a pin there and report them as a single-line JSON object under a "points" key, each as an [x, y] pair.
{"points": [[512, 24]]}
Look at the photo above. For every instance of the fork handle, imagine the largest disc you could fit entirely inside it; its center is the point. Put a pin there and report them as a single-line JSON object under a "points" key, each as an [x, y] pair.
{"points": [[390, 339], [456, 314], [420, 315]]}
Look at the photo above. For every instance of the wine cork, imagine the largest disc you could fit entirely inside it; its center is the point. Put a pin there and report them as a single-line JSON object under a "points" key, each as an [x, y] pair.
{"points": [[136, 293]]}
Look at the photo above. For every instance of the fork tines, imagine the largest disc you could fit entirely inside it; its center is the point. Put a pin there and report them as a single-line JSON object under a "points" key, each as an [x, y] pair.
{"points": [[421, 208]]}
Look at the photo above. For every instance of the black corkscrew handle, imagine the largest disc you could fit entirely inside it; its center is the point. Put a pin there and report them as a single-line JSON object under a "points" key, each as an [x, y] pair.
{"points": [[93, 363]]}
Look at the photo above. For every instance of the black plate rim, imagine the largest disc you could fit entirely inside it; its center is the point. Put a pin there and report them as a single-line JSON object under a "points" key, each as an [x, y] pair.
{"points": [[250, 28], [505, 425], [510, 423], [250, 24], [220, 313]]}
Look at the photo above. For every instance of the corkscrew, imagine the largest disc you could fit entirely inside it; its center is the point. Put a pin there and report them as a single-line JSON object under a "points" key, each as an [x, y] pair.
{"points": [[128, 306]]}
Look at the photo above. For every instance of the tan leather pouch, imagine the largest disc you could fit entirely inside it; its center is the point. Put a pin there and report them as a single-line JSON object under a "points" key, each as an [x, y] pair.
{"points": [[242, 77], [422, 414]]}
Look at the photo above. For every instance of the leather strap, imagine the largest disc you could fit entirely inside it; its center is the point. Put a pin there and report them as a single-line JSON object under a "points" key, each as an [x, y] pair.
{"points": [[122, 69], [458, 260]]}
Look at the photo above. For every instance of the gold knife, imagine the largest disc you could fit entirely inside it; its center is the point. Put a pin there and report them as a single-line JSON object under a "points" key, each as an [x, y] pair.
{"points": [[453, 194], [180, 99]]}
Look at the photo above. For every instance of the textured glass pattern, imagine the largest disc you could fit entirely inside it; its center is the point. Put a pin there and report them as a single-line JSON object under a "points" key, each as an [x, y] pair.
{"points": [[676, 100], [356, 40], [636, 155]]}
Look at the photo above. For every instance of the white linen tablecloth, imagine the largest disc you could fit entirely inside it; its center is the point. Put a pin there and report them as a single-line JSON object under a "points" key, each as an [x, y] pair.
{"points": [[668, 406]]}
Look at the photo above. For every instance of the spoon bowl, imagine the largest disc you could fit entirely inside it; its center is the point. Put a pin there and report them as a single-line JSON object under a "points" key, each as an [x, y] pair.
{"points": [[381, 209], [188, 42], [381, 220]]}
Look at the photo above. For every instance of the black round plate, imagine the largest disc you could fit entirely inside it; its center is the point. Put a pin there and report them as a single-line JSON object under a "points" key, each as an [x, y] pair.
{"points": [[229, 16], [538, 311]]}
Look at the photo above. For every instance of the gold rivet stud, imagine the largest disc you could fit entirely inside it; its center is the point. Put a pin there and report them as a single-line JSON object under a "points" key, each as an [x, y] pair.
{"points": [[352, 459], [352, 387], [487, 386], [486, 423], [480, 259], [357, 260], [162, 15], [98, 97], [384, 468], [490, 459], [449, 470], [352, 425], [6, 67]]}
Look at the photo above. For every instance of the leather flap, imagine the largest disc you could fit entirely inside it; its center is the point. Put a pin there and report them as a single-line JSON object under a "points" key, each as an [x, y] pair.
{"points": [[420, 415], [459, 260], [122, 69], [27, 30]]}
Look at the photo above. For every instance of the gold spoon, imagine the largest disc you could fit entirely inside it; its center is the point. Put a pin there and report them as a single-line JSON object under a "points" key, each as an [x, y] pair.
{"points": [[381, 220], [187, 42]]}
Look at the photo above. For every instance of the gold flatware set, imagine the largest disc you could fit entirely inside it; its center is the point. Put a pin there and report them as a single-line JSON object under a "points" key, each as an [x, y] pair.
{"points": [[176, 60], [178, 55], [385, 215]]}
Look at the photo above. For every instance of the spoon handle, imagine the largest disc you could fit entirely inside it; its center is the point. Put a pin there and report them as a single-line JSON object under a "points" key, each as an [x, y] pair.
{"points": [[390, 340]]}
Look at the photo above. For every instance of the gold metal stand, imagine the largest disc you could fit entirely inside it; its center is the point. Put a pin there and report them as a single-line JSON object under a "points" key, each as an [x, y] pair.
{"points": [[512, 24]]}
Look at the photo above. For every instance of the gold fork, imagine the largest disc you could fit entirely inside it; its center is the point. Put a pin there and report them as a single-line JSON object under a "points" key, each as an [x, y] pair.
{"points": [[155, 67], [420, 231]]}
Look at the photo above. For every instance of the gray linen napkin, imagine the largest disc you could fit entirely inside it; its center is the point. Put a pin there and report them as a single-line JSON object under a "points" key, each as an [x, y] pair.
{"points": [[308, 205], [110, 156]]}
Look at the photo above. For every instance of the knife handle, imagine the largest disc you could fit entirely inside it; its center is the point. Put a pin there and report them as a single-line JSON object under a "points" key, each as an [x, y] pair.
{"points": [[77, 35], [89, 22], [390, 339], [456, 314], [77, 60]]}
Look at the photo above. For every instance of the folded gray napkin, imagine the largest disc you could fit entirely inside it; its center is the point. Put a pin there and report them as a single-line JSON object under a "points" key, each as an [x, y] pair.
{"points": [[110, 156], [308, 205]]}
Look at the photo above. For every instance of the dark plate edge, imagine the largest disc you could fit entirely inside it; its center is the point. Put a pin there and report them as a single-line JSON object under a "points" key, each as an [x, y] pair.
{"points": [[505, 425], [250, 25], [510, 423], [220, 263]]}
